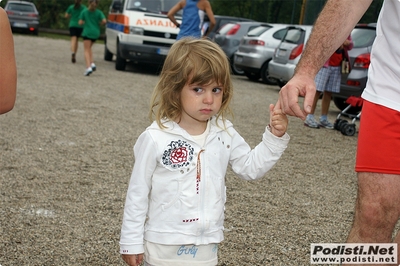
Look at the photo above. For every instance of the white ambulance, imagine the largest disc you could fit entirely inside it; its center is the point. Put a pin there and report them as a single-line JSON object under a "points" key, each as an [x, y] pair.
{"points": [[139, 31]]}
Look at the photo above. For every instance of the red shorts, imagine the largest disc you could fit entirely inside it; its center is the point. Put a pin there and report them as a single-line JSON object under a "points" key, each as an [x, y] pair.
{"points": [[378, 148]]}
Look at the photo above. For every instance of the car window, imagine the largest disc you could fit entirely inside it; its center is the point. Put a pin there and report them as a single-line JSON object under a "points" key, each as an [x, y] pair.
{"points": [[258, 31], [224, 29], [363, 37], [279, 34], [20, 7], [295, 36], [251, 28], [222, 22]]}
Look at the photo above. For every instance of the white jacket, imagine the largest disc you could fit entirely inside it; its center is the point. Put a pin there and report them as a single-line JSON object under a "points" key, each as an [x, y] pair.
{"points": [[168, 203]]}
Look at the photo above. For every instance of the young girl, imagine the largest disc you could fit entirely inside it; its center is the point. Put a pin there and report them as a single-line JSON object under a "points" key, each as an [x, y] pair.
{"points": [[75, 30], [174, 210], [91, 19]]}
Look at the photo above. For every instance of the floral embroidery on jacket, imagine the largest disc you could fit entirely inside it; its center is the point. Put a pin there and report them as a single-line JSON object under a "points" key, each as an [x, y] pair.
{"points": [[178, 154]]}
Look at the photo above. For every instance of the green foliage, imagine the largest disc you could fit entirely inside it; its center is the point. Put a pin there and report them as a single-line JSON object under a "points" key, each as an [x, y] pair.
{"points": [[282, 11], [271, 11]]}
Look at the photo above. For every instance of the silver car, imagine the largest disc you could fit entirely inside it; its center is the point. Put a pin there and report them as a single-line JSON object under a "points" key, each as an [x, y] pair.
{"points": [[256, 50], [353, 84], [23, 16], [228, 38], [287, 54]]}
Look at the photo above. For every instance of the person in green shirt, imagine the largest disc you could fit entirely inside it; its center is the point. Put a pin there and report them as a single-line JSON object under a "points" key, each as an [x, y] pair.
{"points": [[75, 30], [91, 19]]}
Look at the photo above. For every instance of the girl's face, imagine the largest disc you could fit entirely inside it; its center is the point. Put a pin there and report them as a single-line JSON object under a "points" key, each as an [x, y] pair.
{"points": [[199, 103]]}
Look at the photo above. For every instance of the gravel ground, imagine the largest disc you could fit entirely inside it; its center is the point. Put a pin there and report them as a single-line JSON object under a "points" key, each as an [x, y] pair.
{"points": [[66, 157]]}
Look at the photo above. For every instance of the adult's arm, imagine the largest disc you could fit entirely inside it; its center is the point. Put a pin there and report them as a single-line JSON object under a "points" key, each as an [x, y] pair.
{"points": [[171, 13], [210, 14], [331, 28], [8, 67]]}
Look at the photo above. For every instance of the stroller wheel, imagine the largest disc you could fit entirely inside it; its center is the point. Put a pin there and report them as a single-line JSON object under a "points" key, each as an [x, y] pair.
{"points": [[342, 124], [337, 123], [348, 129]]}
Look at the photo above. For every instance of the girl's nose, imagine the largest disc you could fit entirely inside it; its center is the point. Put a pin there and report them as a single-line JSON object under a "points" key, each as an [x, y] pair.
{"points": [[208, 98]]}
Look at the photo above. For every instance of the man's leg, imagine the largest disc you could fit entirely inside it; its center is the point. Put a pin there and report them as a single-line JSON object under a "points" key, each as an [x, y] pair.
{"points": [[377, 208]]}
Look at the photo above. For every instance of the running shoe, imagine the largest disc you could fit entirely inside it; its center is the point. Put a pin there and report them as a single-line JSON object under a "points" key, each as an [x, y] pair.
{"points": [[73, 60], [93, 66], [325, 124], [88, 71], [310, 122]]}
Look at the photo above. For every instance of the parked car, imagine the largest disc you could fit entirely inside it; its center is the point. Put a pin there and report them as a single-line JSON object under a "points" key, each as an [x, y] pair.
{"points": [[353, 83], [256, 50], [288, 53], [219, 22], [23, 16], [228, 38]]}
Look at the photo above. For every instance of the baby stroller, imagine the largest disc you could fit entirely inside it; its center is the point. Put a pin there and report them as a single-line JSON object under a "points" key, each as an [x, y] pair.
{"points": [[346, 128]]}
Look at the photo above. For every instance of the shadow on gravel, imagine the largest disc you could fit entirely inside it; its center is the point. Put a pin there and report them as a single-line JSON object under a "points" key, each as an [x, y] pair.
{"points": [[149, 69]]}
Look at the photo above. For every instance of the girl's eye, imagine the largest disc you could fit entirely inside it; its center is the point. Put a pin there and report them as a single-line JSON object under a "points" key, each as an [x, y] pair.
{"points": [[217, 90], [198, 89]]}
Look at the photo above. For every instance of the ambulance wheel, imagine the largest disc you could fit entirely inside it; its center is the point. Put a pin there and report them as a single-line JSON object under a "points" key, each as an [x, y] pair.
{"points": [[120, 63], [108, 56], [349, 129]]}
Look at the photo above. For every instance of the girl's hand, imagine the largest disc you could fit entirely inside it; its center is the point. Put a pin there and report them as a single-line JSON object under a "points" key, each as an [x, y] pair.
{"points": [[133, 259], [278, 121]]}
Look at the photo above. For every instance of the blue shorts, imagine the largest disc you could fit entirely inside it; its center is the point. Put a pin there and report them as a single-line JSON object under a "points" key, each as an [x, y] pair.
{"points": [[328, 79]]}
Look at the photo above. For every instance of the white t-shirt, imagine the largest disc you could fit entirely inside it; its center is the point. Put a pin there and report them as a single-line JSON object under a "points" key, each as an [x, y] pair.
{"points": [[383, 86]]}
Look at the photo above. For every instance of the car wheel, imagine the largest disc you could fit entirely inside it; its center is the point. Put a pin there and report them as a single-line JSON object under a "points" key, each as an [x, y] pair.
{"points": [[120, 63], [108, 56], [280, 83], [265, 76], [235, 69], [341, 105], [252, 76]]}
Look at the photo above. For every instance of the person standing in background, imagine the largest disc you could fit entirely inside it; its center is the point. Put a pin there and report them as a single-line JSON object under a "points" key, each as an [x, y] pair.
{"points": [[328, 81], [75, 29], [192, 17], [8, 66], [91, 19]]}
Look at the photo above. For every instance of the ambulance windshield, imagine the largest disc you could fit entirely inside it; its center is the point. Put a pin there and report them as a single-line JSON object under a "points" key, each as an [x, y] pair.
{"points": [[152, 6]]}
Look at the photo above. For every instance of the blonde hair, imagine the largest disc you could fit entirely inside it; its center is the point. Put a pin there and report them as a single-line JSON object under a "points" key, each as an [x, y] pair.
{"points": [[190, 61]]}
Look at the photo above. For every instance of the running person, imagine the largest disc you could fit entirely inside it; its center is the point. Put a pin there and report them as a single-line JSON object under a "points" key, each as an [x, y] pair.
{"points": [[91, 19], [75, 29]]}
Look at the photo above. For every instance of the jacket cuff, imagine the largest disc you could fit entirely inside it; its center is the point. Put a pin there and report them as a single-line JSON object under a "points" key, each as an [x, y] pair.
{"points": [[131, 249], [279, 143]]}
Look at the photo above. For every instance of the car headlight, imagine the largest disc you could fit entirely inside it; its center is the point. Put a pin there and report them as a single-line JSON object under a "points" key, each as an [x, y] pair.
{"points": [[136, 30]]}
